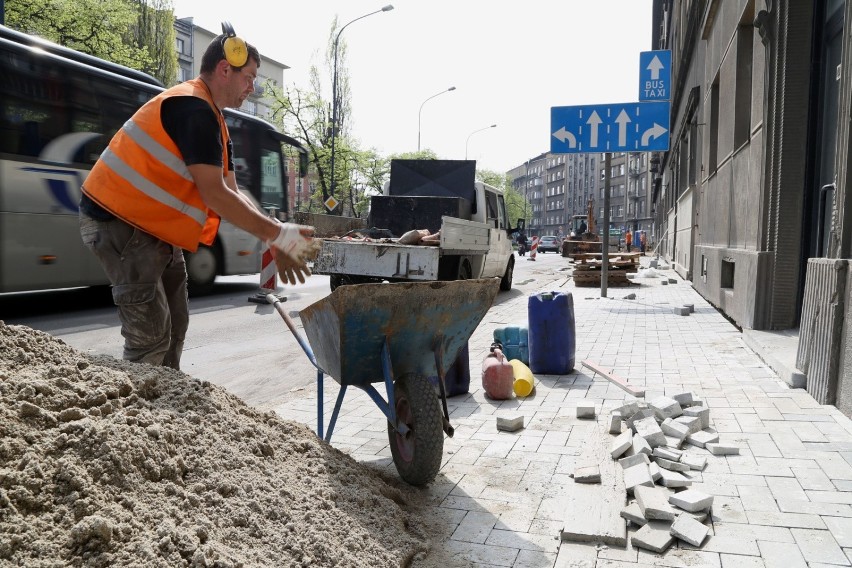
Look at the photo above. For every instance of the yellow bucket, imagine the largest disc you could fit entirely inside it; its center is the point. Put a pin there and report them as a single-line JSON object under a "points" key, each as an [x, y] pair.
{"points": [[524, 380]]}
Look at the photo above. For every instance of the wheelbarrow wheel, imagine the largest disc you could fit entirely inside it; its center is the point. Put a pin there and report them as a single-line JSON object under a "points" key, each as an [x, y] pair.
{"points": [[417, 453]]}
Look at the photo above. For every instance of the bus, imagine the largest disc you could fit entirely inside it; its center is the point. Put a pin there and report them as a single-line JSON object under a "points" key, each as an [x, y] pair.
{"points": [[59, 108]]}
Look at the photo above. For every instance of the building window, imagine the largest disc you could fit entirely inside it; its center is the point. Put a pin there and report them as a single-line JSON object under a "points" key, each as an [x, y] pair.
{"points": [[179, 46], [742, 101], [714, 126]]}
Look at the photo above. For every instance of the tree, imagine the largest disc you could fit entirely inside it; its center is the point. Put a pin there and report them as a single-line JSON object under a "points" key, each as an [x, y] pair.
{"points": [[134, 33]]}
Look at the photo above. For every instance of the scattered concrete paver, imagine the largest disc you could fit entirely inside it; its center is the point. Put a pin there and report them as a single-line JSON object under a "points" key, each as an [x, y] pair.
{"points": [[500, 493]]}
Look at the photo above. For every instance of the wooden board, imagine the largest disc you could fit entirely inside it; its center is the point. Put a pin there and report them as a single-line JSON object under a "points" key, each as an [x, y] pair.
{"points": [[614, 379], [593, 511]]}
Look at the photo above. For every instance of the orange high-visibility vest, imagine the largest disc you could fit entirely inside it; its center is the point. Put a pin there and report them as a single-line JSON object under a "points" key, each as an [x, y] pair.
{"points": [[142, 179]]}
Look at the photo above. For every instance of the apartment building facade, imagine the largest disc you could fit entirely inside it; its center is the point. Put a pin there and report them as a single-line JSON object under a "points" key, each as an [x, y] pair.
{"points": [[754, 191], [559, 186]]}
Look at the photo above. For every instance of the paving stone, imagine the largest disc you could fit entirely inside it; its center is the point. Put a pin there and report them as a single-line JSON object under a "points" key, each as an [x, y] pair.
{"points": [[587, 474], [680, 310], [615, 423], [670, 465], [702, 438], [637, 475], [700, 516], [673, 479], [635, 459], [689, 530], [665, 407], [640, 446], [722, 449], [654, 470], [673, 442], [654, 503], [628, 409], [692, 423], [819, 546], [665, 282], [585, 410], [692, 500], [654, 536], [674, 429], [691, 307], [640, 414], [510, 423], [650, 430], [667, 453], [633, 513], [700, 412], [684, 398], [696, 463], [621, 443], [672, 281]]}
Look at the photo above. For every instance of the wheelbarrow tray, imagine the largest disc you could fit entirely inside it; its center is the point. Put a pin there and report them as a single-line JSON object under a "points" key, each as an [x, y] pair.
{"points": [[347, 329]]}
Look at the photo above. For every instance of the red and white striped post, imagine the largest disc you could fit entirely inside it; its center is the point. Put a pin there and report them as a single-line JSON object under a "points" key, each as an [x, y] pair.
{"points": [[533, 248], [268, 273]]}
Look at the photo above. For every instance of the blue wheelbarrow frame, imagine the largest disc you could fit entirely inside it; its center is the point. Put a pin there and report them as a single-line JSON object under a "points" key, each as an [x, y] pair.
{"points": [[370, 333]]}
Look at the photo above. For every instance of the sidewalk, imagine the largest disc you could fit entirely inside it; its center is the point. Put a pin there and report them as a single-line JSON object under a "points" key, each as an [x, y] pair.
{"points": [[783, 502]]}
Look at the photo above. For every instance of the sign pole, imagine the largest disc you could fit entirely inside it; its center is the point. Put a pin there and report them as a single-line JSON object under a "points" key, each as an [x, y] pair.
{"points": [[605, 242]]}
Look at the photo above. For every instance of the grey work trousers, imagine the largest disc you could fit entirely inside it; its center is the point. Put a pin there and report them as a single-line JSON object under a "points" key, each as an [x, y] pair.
{"points": [[148, 278]]}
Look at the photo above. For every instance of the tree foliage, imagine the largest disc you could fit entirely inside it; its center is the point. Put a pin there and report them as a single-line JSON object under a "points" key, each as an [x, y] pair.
{"points": [[136, 33]]}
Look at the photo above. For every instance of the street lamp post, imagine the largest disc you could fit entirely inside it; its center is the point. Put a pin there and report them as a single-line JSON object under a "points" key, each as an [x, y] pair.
{"points": [[387, 8], [421, 112], [471, 134]]}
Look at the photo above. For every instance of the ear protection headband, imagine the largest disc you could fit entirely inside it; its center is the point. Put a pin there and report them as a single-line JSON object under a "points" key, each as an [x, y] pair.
{"points": [[234, 48]]}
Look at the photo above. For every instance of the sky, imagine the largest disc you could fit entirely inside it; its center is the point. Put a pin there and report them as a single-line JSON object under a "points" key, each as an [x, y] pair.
{"points": [[509, 62]]}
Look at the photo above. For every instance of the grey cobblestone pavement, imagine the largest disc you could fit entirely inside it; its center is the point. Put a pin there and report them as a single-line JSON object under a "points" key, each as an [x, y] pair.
{"points": [[785, 501]]}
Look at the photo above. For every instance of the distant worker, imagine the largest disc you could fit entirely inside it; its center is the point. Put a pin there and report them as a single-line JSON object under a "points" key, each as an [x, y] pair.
{"points": [[161, 186], [642, 242], [582, 228], [628, 239], [522, 243]]}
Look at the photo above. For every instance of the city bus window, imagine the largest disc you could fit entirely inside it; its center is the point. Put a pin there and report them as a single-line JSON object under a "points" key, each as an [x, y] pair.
{"points": [[271, 185]]}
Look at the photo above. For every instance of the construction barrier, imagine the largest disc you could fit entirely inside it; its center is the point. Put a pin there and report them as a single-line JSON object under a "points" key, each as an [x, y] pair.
{"points": [[268, 274], [533, 248]]}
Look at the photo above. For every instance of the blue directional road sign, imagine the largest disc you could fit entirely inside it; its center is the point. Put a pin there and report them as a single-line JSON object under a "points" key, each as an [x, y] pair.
{"points": [[624, 127], [655, 75]]}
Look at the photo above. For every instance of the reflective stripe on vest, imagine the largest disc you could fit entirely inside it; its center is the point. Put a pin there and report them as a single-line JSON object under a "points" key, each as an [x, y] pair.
{"points": [[142, 178]]}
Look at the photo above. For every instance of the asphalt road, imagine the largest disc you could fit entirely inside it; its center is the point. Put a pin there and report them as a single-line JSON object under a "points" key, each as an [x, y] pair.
{"points": [[241, 346]]}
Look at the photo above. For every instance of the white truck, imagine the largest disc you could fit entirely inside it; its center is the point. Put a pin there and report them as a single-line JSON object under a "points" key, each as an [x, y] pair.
{"points": [[438, 195]]}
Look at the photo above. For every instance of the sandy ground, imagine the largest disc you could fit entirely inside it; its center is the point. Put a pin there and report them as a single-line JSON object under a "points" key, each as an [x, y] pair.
{"points": [[105, 463]]}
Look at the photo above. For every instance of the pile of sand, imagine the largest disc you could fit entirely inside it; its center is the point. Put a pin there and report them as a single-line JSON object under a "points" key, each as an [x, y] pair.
{"points": [[105, 463]]}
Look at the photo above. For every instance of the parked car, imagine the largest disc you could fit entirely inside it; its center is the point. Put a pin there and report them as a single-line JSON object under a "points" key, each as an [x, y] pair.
{"points": [[549, 243]]}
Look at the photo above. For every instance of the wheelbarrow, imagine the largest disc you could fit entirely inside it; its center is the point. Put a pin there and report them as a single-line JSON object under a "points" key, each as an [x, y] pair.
{"points": [[400, 334]]}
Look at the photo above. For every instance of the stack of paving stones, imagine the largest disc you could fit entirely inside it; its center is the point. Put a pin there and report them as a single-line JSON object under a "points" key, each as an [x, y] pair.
{"points": [[660, 445]]}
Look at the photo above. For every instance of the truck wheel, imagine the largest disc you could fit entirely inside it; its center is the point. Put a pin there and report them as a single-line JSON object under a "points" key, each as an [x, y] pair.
{"points": [[506, 281], [202, 266], [417, 454]]}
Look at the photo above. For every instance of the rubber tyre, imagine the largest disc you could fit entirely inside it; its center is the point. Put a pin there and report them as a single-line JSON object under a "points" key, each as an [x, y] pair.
{"points": [[417, 455], [202, 266], [506, 281]]}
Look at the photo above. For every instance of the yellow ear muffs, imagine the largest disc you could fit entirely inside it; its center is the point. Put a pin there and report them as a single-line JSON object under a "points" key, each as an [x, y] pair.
{"points": [[234, 48]]}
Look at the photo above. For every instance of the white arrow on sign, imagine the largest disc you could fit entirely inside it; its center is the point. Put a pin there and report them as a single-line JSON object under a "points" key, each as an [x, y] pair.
{"points": [[622, 121], [654, 67], [593, 122], [563, 135], [654, 132]]}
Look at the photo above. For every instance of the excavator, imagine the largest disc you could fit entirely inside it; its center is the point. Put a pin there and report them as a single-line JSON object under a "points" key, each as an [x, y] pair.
{"points": [[582, 237]]}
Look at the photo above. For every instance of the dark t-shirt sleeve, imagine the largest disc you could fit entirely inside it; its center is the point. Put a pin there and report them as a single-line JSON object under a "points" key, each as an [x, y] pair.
{"points": [[193, 126]]}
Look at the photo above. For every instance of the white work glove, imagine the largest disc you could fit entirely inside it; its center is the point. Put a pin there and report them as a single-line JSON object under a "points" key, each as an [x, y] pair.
{"points": [[289, 249], [293, 240]]}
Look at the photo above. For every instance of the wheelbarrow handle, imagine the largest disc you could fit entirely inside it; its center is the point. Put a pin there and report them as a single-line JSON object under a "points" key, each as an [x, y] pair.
{"points": [[276, 303]]}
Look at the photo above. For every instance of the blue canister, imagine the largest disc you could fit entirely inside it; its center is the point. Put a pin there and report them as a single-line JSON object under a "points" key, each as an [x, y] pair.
{"points": [[515, 342], [552, 341]]}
